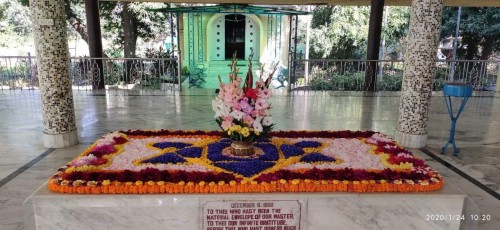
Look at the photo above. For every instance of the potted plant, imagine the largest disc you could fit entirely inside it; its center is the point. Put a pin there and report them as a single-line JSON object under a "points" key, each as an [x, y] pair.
{"points": [[243, 112]]}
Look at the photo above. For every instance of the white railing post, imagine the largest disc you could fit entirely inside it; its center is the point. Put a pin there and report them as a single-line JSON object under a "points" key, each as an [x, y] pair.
{"points": [[497, 87], [290, 66], [179, 72]]}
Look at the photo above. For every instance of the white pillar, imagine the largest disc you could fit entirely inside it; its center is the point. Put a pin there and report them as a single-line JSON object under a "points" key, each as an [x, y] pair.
{"points": [[308, 36], [419, 71], [49, 30]]}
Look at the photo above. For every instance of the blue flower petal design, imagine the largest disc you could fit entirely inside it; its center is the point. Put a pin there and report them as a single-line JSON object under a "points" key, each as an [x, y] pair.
{"points": [[307, 144], [164, 145], [246, 168], [165, 159], [262, 139], [316, 157], [215, 152], [291, 151], [192, 152], [270, 152]]}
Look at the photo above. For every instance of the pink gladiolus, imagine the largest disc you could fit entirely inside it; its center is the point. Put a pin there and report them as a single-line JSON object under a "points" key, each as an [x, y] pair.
{"points": [[228, 98], [248, 120], [221, 93], [227, 123], [237, 82], [255, 113], [248, 110], [244, 103], [260, 83], [228, 87], [237, 107], [261, 104], [264, 93]]}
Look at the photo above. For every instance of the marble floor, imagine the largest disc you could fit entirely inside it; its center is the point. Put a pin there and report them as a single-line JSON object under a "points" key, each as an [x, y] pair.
{"points": [[25, 164]]}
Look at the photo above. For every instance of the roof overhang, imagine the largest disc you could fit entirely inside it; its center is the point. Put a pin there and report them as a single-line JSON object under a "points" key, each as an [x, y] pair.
{"points": [[232, 8], [470, 3]]}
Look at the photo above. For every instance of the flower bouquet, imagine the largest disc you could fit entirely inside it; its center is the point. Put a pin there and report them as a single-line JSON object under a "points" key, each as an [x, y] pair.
{"points": [[243, 112]]}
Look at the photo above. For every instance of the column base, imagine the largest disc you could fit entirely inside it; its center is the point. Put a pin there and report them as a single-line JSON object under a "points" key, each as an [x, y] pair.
{"points": [[60, 140], [411, 140]]}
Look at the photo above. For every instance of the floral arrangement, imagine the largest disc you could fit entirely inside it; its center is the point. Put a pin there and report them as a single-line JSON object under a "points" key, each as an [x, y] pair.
{"points": [[163, 161], [243, 112]]}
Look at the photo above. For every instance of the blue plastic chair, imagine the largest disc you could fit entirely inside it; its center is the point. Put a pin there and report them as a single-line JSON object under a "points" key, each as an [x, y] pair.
{"points": [[197, 75]]}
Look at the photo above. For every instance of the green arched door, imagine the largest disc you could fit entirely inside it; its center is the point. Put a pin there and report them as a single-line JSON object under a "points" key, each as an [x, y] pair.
{"points": [[233, 32], [251, 38], [217, 45]]}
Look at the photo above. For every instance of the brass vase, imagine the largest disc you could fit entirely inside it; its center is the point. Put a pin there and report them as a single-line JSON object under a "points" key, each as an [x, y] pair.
{"points": [[242, 148]]}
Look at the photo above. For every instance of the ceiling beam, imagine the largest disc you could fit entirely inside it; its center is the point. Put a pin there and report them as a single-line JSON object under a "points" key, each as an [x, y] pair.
{"points": [[465, 3]]}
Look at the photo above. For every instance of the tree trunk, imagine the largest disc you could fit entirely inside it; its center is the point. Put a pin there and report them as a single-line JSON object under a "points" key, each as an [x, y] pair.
{"points": [[76, 22], [129, 31], [129, 24], [487, 48]]}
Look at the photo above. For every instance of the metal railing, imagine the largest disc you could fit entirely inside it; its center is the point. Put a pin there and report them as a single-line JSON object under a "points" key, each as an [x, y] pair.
{"points": [[20, 72], [349, 75]]}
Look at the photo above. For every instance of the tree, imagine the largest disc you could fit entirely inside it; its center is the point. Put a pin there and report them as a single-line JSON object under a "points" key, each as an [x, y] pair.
{"points": [[396, 30], [15, 26], [3, 11], [123, 22], [126, 22], [341, 32], [73, 16], [479, 29]]}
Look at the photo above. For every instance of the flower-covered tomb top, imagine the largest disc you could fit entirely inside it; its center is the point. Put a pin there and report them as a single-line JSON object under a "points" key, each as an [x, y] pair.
{"points": [[200, 162]]}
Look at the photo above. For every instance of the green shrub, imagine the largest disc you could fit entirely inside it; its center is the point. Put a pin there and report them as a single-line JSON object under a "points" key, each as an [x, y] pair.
{"points": [[328, 79], [185, 70], [390, 81], [354, 81]]}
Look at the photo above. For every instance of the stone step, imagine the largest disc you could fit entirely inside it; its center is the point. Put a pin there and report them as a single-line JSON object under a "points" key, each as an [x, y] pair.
{"points": [[221, 68]]}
